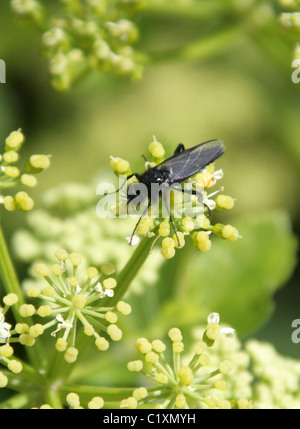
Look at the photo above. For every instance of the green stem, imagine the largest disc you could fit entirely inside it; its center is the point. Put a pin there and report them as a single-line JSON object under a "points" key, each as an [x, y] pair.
{"points": [[53, 398], [9, 276], [107, 393], [195, 10], [204, 47], [130, 270], [21, 400]]}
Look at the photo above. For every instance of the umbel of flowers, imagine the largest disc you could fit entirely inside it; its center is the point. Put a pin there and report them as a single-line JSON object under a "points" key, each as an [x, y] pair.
{"points": [[181, 383], [81, 36], [195, 223], [72, 299]]}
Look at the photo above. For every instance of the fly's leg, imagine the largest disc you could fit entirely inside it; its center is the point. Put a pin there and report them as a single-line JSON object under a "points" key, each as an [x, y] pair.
{"points": [[137, 224], [179, 149], [166, 203]]}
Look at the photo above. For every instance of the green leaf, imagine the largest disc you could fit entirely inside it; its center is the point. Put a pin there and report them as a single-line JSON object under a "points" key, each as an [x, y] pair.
{"points": [[236, 279]]}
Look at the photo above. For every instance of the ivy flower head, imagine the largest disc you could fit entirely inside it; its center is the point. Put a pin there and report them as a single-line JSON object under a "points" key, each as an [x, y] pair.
{"points": [[188, 210], [72, 299], [181, 383], [13, 176], [96, 35]]}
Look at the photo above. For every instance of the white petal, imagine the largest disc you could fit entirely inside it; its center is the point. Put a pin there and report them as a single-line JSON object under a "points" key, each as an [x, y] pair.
{"points": [[211, 204], [98, 287], [134, 241], [227, 332], [59, 318], [213, 318], [218, 174], [109, 293]]}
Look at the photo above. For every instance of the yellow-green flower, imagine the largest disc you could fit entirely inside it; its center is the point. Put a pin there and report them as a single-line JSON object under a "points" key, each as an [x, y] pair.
{"points": [[84, 36], [197, 380], [72, 298]]}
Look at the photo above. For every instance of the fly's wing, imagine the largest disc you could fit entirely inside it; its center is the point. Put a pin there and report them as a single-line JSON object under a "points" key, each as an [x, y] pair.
{"points": [[190, 161]]}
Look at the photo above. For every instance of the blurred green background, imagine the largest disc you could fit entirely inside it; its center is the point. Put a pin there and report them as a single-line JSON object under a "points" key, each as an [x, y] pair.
{"points": [[243, 96]]}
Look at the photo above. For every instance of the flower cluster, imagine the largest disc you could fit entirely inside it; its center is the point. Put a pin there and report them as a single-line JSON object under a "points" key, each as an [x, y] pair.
{"points": [[69, 220], [94, 34], [196, 382], [290, 21], [6, 338], [277, 378], [12, 176], [70, 299], [195, 220]]}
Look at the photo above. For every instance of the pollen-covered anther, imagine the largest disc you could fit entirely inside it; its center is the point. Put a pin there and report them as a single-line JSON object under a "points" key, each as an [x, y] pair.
{"points": [[40, 161], [26, 310], [143, 345], [23, 201], [96, 403], [188, 224], [224, 202], [80, 301], [41, 270], [102, 344], [119, 165], [71, 354], [15, 140], [152, 357], [140, 393], [180, 401], [10, 299], [164, 229], [73, 400], [135, 365], [186, 375], [168, 247], [175, 334], [6, 350], [129, 403], [124, 307], [61, 345], [15, 366], [114, 332], [158, 346], [156, 149], [230, 233], [144, 226], [212, 331], [3, 380], [36, 330]]}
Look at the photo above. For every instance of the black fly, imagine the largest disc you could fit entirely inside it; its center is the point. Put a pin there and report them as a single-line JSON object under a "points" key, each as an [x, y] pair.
{"points": [[179, 167]]}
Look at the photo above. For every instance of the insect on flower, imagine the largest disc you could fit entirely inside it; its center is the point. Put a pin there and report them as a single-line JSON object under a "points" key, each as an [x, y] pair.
{"points": [[168, 175]]}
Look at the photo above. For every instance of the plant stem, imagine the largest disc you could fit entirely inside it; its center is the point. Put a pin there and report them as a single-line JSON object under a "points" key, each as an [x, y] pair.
{"points": [[131, 269], [194, 10], [53, 398], [86, 393], [21, 400], [204, 47], [9, 276]]}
